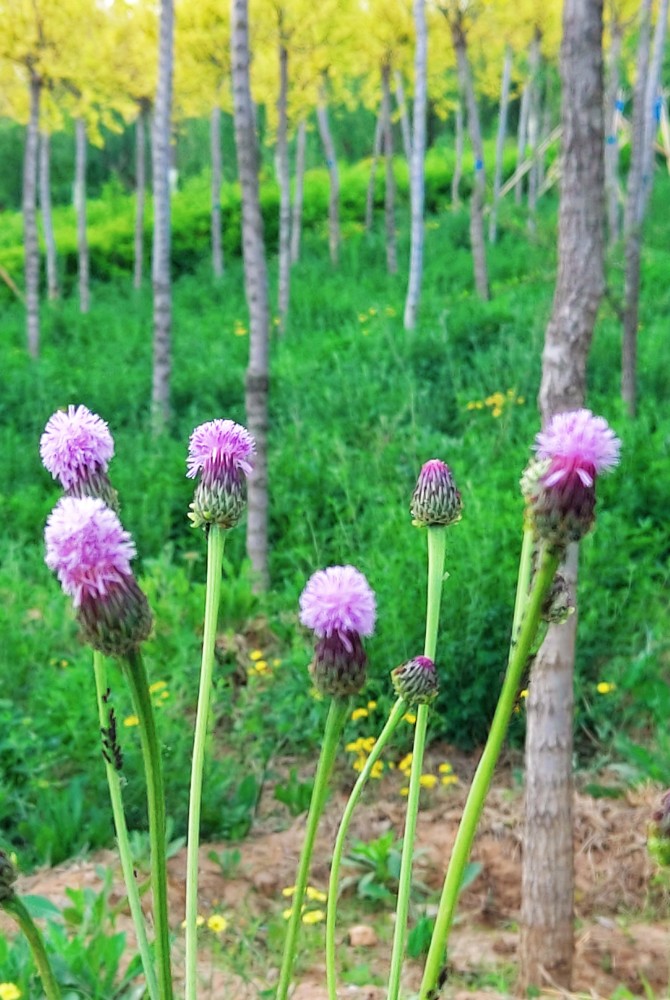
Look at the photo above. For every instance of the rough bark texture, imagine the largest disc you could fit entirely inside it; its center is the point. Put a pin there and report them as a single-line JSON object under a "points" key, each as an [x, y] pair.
{"points": [[215, 141], [333, 174], [29, 204], [296, 218], [160, 268], [370, 193], [389, 193], [612, 117], [80, 211], [500, 142], [458, 162], [284, 172], [547, 880], [522, 136], [256, 287], [140, 190], [417, 175], [47, 218], [405, 127]]}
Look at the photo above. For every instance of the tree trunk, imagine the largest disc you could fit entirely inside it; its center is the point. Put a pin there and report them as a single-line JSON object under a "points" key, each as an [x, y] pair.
{"points": [[632, 220], [160, 268], [296, 219], [284, 172], [500, 142], [80, 211], [417, 177], [47, 218], [370, 193], [217, 243], [333, 173], [256, 287], [389, 194], [31, 247], [652, 107], [534, 109], [522, 136], [458, 160], [612, 116], [140, 189], [477, 240], [401, 101], [547, 877]]}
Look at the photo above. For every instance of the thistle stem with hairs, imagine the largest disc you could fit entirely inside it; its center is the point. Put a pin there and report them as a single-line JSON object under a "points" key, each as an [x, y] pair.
{"points": [[15, 907]]}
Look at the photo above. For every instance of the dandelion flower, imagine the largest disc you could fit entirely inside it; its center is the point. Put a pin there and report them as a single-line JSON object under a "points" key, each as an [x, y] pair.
{"points": [[313, 917], [10, 991], [217, 924]]}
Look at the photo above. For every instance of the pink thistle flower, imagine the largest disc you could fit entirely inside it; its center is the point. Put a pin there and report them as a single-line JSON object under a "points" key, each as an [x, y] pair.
{"points": [[222, 452], [76, 447], [436, 501]]}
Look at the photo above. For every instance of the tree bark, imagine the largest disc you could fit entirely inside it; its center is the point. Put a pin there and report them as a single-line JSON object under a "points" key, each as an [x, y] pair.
{"points": [[458, 159], [140, 190], [417, 175], [217, 243], [47, 217], [389, 193], [547, 877], [333, 173], [255, 282], [283, 169], [500, 142], [534, 109], [160, 270], [31, 247], [405, 128], [370, 193], [612, 115], [296, 218], [522, 136], [80, 211]]}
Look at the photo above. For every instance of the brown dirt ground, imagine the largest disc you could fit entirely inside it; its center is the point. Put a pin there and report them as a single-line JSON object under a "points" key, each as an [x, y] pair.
{"points": [[619, 939]]}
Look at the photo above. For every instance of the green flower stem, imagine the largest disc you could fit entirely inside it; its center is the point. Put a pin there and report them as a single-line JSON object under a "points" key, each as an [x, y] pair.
{"points": [[523, 582], [436, 555], [16, 908], [394, 718], [139, 686], [125, 853], [484, 773], [337, 715], [215, 544]]}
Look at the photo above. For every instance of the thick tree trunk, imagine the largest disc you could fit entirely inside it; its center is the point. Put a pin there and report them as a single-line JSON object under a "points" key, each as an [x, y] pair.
{"points": [[458, 159], [405, 128], [500, 142], [256, 286], [160, 268], [389, 194], [140, 190], [47, 217], [215, 141], [521, 139], [417, 176], [283, 169], [80, 211], [612, 116], [534, 112], [370, 193], [296, 218], [547, 877], [477, 240], [31, 247], [333, 174]]}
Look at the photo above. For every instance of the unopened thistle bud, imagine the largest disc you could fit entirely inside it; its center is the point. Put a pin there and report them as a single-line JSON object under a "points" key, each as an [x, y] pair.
{"points": [[90, 552], [338, 605], [7, 876], [416, 680], [436, 501], [222, 452], [76, 448]]}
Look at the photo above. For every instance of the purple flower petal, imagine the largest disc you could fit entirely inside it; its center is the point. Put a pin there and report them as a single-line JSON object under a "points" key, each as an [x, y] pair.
{"points": [[338, 600], [219, 444], [74, 443]]}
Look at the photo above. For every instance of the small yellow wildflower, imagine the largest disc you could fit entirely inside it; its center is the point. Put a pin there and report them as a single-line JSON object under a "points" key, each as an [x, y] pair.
{"points": [[316, 895], [367, 743], [371, 706], [9, 991], [353, 747], [428, 781], [472, 405], [359, 713], [217, 924], [605, 687], [131, 720], [199, 921], [373, 312], [404, 790], [288, 891], [406, 763], [362, 317], [157, 686], [449, 779], [377, 769], [256, 654], [261, 666], [276, 662], [286, 914], [313, 917], [445, 768], [63, 664], [359, 763], [165, 695], [524, 693], [410, 718]]}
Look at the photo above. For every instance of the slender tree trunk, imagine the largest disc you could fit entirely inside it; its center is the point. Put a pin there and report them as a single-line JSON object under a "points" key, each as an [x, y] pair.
{"points": [[256, 287], [389, 194], [296, 219], [47, 218], [370, 193], [31, 247], [633, 220], [140, 189], [160, 268], [547, 876], [477, 240], [417, 175], [534, 111], [333, 173], [458, 161], [522, 137], [652, 116], [500, 142], [405, 128], [612, 115], [80, 210], [284, 172], [217, 243]]}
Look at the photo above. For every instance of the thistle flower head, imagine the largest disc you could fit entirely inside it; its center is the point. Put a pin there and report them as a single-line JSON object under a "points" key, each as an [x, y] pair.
{"points": [[76, 445], [416, 680], [435, 500], [222, 452]]}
